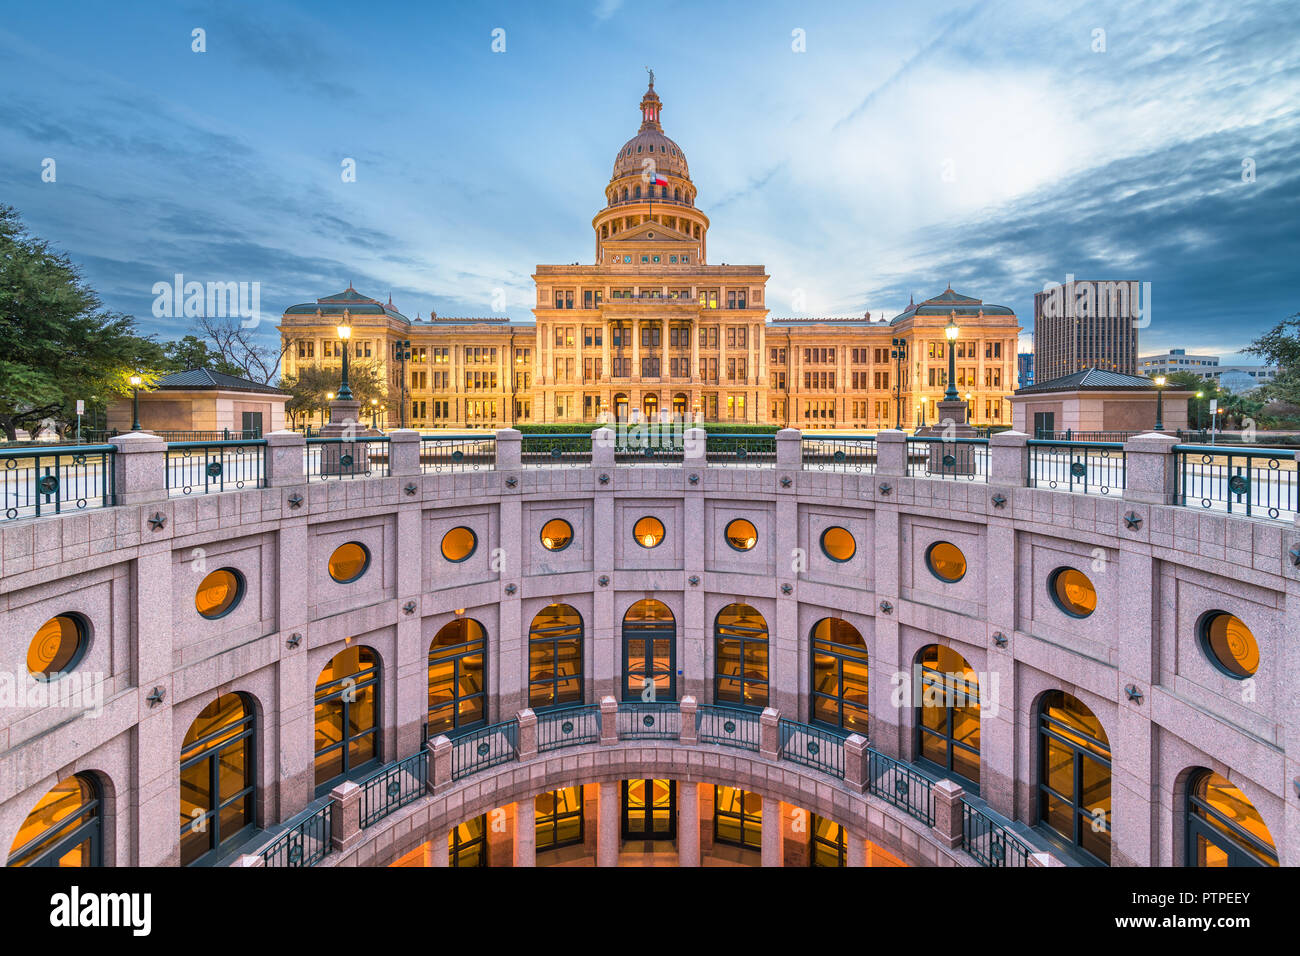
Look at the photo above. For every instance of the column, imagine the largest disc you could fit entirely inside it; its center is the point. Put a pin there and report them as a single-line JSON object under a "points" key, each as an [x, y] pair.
{"points": [[856, 849], [688, 824], [723, 381], [695, 352], [607, 840], [771, 833], [636, 357], [604, 352], [525, 833]]}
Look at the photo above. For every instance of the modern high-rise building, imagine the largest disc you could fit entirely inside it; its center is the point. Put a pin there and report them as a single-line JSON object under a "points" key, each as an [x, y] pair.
{"points": [[1024, 369], [653, 327], [1088, 324]]}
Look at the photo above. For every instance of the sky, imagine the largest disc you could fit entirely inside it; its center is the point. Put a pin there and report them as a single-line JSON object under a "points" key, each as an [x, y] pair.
{"points": [[864, 152]]}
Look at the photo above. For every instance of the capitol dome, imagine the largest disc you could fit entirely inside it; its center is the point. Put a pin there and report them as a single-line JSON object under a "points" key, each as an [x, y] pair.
{"points": [[650, 143]]}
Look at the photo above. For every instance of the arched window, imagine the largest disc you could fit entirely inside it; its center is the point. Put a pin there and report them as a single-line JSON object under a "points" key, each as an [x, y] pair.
{"points": [[458, 677], [624, 193], [740, 657], [677, 195], [467, 843], [649, 652], [1074, 775], [64, 828], [217, 779], [347, 716], [636, 192], [839, 676], [555, 657], [1223, 826], [948, 713]]}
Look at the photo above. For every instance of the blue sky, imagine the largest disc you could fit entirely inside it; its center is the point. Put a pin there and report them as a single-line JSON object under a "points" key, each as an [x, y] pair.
{"points": [[911, 144]]}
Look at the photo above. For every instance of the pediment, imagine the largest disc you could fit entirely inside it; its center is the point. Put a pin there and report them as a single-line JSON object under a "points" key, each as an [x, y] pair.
{"points": [[643, 234]]}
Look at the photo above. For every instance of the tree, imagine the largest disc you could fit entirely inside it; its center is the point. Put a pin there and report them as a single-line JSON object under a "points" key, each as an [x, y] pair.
{"points": [[239, 352], [57, 342], [191, 352], [311, 385]]}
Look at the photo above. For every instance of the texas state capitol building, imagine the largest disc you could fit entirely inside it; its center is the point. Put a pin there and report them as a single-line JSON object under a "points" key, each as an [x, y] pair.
{"points": [[653, 327]]}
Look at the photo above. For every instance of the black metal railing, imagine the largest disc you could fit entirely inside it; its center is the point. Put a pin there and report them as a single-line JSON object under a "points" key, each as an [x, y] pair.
{"points": [[336, 458], [848, 453], [659, 720], [573, 451], [728, 726], [486, 747], [440, 454], [988, 841], [649, 445], [1094, 468], [749, 451], [816, 747], [956, 458], [1250, 481], [394, 786], [568, 727], [896, 782], [1070, 435], [210, 467], [306, 842], [52, 480]]}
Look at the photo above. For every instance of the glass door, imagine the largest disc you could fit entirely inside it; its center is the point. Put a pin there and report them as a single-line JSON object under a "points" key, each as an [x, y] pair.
{"points": [[649, 810]]}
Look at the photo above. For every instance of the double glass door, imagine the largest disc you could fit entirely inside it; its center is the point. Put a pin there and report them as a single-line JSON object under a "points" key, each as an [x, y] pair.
{"points": [[649, 810]]}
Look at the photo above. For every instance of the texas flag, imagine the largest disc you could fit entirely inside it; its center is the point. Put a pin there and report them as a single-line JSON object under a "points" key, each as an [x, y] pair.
{"points": [[658, 179]]}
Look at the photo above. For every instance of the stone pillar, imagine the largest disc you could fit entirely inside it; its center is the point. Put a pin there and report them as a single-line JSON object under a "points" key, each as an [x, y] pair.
{"points": [[439, 851], [636, 361], [509, 450], [891, 453], [769, 733], [688, 824], [1150, 469], [604, 352], [770, 834], [525, 832], [695, 442], [947, 813], [855, 849], [154, 777], [1008, 459], [527, 734], [439, 763], [346, 824], [245, 860], [1042, 859], [689, 709], [139, 468], [403, 452], [857, 762], [603, 440], [789, 453], [665, 396], [695, 356], [608, 721], [284, 462], [607, 840]]}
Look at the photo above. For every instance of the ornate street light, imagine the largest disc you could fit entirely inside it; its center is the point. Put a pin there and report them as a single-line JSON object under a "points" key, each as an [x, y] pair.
{"points": [[1160, 403], [136, 382], [345, 390], [374, 411], [1200, 411], [950, 333], [898, 353]]}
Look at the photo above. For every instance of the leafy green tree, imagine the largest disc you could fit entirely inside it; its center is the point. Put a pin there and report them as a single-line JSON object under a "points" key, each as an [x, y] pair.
{"points": [[190, 352], [57, 342], [311, 385]]}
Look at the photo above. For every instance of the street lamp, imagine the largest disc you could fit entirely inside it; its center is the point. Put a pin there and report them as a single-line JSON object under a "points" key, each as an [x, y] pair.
{"points": [[345, 390], [1160, 403], [898, 354], [1200, 411], [136, 382], [950, 333], [374, 411], [969, 416]]}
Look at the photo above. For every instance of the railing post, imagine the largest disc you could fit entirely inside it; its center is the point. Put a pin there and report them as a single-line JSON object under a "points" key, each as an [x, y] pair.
{"points": [[695, 445], [1008, 459], [891, 452], [769, 733], [139, 468], [403, 452], [856, 762], [527, 734], [947, 813], [602, 447], [509, 446], [789, 449], [1150, 469], [439, 763], [346, 825], [283, 464], [689, 709], [608, 721]]}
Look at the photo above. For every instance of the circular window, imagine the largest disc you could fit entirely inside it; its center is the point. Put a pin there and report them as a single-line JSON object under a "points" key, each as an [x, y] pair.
{"points": [[57, 646], [348, 562], [219, 593], [556, 534], [838, 544], [741, 534], [1230, 644], [1072, 592], [648, 532], [946, 561], [458, 544]]}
